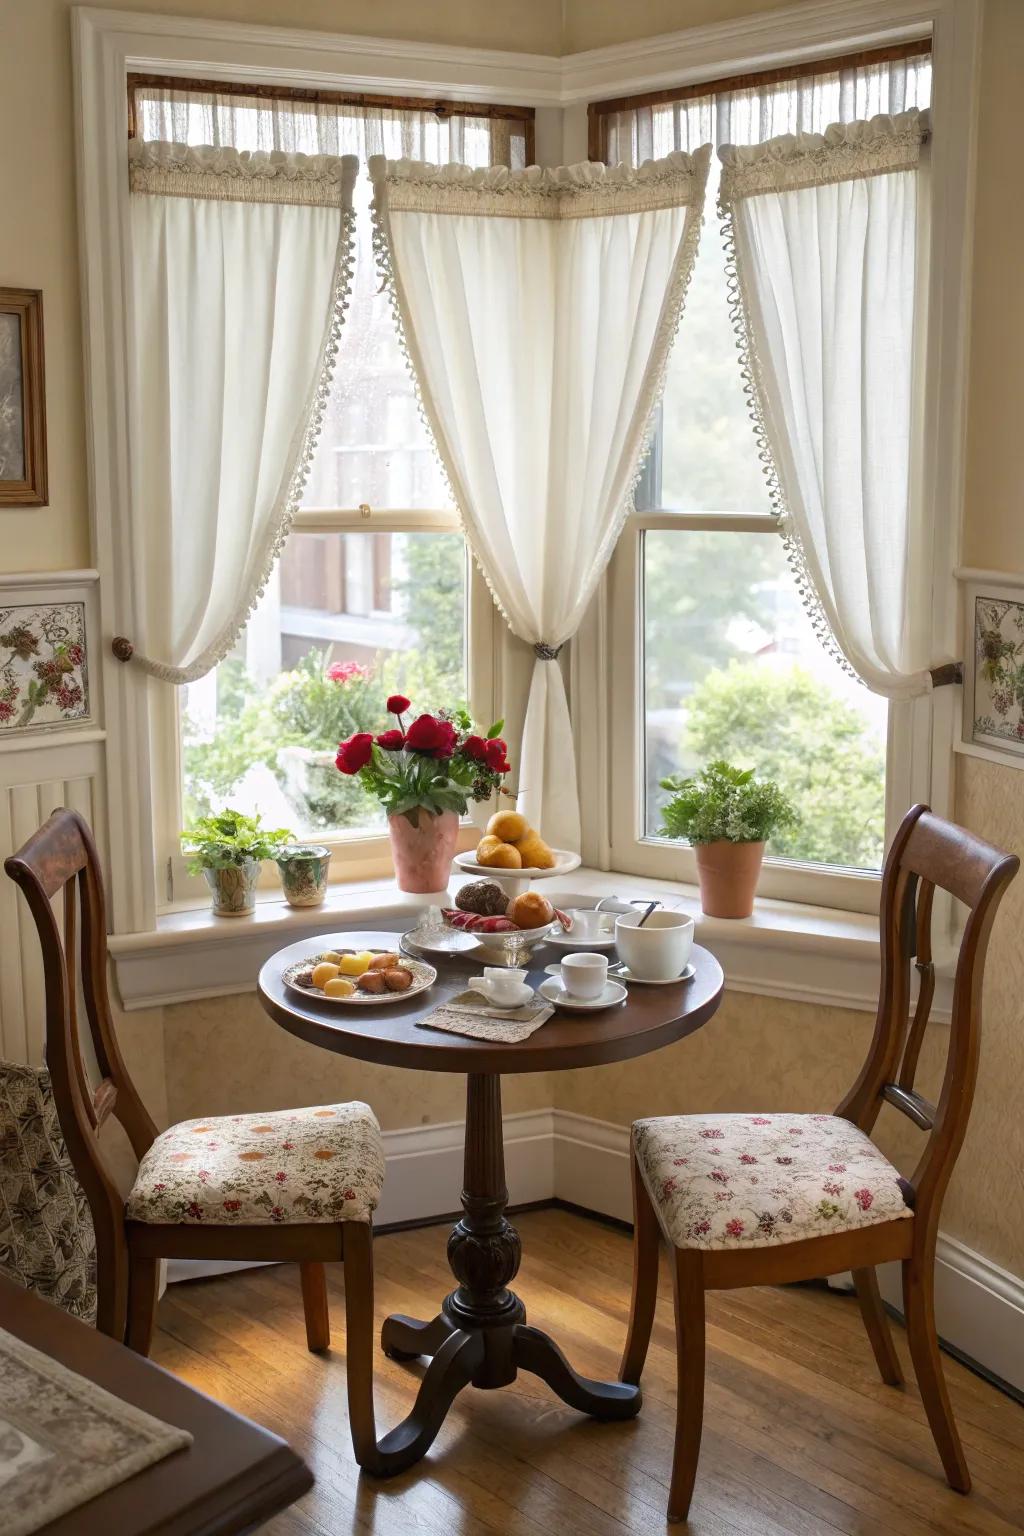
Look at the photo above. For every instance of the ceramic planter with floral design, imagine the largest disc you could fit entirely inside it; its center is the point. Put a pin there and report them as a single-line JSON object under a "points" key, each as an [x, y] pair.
{"points": [[303, 869], [233, 888]]}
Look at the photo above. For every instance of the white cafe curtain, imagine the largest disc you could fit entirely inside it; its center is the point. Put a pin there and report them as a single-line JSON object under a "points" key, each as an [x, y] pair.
{"points": [[538, 308], [240, 271], [825, 229]]}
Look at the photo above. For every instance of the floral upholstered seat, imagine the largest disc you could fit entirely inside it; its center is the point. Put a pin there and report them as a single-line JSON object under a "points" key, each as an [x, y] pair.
{"points": [[324, 1164], [751, 1181]]}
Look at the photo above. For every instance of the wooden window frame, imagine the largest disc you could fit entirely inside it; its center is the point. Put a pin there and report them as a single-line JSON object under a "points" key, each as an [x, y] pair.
{"points": [[441, 106], [599, 111]]}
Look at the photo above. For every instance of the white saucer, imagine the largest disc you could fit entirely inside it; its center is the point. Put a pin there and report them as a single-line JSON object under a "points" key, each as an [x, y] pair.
{"points": [[623, 973], [553, 992], [525, 996]]}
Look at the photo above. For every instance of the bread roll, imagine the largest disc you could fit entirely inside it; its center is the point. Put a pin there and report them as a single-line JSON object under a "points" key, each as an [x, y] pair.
{"points": [[508, 826]]}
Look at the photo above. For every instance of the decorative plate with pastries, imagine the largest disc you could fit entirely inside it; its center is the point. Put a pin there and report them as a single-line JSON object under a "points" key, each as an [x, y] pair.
{"points": [[514, 853], [363, 977], [506, 928]]}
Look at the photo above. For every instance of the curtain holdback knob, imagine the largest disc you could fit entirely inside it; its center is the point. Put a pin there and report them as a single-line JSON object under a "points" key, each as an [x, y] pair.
{"points": [[949, 672], [122, 648], [546, 652]]}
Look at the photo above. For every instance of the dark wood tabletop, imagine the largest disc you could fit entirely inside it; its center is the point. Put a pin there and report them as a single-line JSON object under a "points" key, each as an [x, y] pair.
{"points": [[233, 1476], [651, 1017]]}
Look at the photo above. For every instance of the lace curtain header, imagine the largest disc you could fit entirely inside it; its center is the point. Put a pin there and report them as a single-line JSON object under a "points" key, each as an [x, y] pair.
{"points": [[241, 176], [564, 192], [844, 152]]}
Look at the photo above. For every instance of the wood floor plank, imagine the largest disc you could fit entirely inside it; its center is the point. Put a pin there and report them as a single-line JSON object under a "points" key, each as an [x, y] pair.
{"points": [[800, 1439]]}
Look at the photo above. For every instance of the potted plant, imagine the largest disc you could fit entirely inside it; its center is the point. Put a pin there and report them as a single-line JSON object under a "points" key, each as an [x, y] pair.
{"points": [[227, 849], [728, 815], [424, 778]]}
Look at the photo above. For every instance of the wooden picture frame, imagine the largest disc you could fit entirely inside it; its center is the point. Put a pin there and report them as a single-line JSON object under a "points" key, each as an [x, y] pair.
{"points": [[22, 399], [993, 711]]}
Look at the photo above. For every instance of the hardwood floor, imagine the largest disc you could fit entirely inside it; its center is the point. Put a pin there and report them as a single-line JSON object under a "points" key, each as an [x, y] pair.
{"points": [[801, 1437]]}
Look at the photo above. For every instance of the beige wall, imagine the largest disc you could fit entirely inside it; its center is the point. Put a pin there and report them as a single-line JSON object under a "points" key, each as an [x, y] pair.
{"points": [[38, 235], [224, 1054]]}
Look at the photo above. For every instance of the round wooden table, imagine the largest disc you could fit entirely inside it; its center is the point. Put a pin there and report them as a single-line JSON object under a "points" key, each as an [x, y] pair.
{"points": [[480, 1335]]}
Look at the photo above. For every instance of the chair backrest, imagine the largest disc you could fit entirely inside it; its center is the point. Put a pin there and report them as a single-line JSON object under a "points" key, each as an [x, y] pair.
{"points": [[928, 853], [61, 858]]}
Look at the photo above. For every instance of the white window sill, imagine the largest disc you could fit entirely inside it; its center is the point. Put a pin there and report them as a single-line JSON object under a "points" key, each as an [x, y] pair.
{"points": [[806, 954]]}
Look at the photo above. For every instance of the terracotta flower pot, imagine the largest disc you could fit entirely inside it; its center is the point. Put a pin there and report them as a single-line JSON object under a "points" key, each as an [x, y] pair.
{"points": [[423, 854], [728, 877]]}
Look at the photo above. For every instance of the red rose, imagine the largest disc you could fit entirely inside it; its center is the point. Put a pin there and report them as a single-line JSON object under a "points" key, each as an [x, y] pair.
{"points": [[398, 704], [429, 734], [495, 757], [354, 753], [475, 747], [391, 741]]}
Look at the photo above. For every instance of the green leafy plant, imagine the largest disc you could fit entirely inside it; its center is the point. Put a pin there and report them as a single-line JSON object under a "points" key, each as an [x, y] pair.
{"points": [[811, 741], [230, 839], [725, 803]]}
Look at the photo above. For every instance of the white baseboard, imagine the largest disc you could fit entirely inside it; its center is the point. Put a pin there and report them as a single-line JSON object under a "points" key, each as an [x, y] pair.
{"points": [[553, 1153]]}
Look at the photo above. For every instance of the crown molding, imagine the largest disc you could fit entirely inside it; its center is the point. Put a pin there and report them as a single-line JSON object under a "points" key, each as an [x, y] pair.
{"points": [[286, 55]]}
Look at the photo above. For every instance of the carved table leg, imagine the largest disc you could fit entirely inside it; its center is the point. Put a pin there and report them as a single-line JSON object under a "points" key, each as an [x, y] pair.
{"points": [[480, 1335], [403, 1338]]}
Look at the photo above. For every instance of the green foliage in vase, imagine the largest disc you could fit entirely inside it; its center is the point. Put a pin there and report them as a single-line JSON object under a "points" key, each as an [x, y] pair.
{"points": [[723, 802], [809, 740], [229, 839]]}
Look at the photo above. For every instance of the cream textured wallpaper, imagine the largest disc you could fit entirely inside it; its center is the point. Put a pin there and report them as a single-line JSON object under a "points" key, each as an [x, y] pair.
{"points": [[225, 1054]]}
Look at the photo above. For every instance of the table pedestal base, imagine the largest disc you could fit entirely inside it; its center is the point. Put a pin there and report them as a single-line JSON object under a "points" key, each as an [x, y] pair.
{"points": [[481, 1337]]}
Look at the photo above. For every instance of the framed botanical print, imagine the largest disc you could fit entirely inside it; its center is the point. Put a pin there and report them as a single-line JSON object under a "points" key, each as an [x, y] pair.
{"points": [[993, 723], [22, 399]]}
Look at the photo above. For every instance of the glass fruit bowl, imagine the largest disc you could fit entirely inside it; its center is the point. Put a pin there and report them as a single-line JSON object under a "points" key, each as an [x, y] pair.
{"points": [[512, 946]]}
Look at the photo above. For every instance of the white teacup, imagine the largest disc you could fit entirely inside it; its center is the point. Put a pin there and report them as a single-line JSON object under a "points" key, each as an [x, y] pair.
{"points": [[502, 986], [658, 951], [585, 975], [588, 924]]}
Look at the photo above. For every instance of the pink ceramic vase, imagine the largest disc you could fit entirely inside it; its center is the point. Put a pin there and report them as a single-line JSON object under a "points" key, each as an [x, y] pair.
{"points": [[423, 854]]}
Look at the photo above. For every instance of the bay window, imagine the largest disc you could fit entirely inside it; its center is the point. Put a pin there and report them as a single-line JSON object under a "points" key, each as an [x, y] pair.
{"points": [[374, 592], [712, 652]]}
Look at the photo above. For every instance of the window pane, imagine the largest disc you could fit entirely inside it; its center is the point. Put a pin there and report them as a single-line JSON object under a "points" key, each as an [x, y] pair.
{"points": [[709, 456], [347, 619], [733, 670]]}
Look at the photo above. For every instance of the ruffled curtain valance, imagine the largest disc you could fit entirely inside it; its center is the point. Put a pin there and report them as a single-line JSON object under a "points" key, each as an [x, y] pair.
{"points": [[538, 308], [824, 232], [241, 266]]}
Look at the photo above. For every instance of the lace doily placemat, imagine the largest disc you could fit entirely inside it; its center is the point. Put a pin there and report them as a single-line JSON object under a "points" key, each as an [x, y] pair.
{"points": [[64, 1440], [468, 1014]]}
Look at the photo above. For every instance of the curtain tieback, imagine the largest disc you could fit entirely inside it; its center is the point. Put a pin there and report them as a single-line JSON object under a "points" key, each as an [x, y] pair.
{"points": [[546, 652]]}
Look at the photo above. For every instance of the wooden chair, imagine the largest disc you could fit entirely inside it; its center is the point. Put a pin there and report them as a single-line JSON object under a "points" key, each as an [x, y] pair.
{"points": [[771, 1199], [196, 1195]]}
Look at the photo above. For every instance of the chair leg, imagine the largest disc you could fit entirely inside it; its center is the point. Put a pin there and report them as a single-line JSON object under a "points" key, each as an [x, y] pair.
{"points": [[359, 1341], [689, 1297], [314, 1304], [143, 1293], [645, 1280], [919, 1309], [877, 1326]]}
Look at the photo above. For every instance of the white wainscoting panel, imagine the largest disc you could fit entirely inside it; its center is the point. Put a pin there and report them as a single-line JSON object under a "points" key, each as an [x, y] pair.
{"points": [[49, 774]]}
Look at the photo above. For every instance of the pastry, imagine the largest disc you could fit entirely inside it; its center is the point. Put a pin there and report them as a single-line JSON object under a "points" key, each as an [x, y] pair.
{"points": [[372, 981], [339, 986], [534, 852], [384, 962], [530, 910], [508, 826], [398, 979], [494, 854], [483, 897]]}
